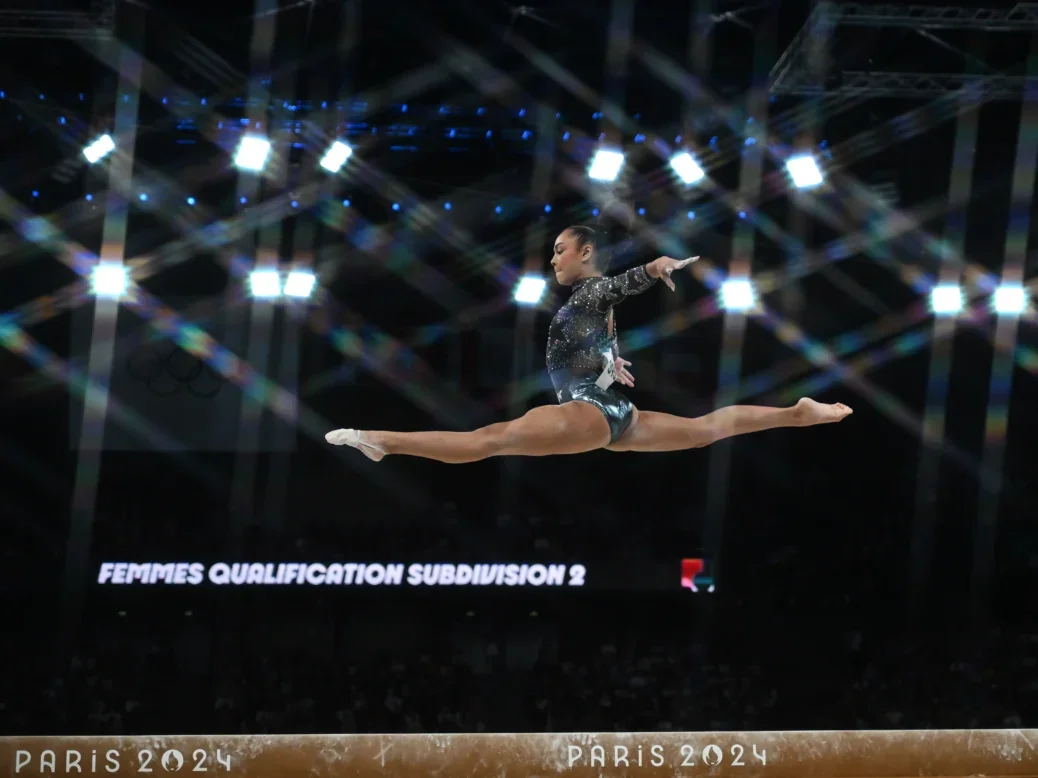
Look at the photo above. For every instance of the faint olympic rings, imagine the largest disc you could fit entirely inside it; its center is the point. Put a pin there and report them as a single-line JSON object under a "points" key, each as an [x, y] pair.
{"points": [[166, 369]]}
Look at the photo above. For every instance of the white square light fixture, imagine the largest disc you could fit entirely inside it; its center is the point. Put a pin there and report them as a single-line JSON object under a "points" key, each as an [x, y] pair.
{"points": [[605, 165], [253, 151], [804, 171], [1010, 300], [529, 290], [686, 168], [737, 294], [265, 284], [335, 157], [947, 299], [99, 149], [109, 280], [300, 283]]}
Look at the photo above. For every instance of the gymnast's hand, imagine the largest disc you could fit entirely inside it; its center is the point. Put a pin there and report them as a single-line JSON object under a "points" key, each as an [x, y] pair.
{"points": [[623, 375], [663, 267]]}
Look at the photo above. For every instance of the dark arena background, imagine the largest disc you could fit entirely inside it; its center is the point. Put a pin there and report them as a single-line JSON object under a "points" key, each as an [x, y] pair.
{"points": [[227, 228]]}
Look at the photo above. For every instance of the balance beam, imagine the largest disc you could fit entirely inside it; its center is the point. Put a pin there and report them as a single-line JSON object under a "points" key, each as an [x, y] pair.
{"points": [[868, 754]]}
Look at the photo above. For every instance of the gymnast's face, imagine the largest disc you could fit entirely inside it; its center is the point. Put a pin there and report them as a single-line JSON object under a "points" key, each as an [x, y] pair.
{"points": [[570, 261]]}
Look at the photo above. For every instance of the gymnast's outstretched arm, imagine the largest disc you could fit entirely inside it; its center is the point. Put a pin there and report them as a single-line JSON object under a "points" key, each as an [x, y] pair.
{"points": [[615, 289]]}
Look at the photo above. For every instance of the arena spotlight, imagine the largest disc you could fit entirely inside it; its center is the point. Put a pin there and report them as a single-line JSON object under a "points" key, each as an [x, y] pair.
{"points": [[605, 165], [99, 149], [737, 295], [109, 280], [529, 290], [300, 283], [946, 299], [265, 284], [252, 154], [686, 168], [804, 170], [335, 157], [1010, 300]]}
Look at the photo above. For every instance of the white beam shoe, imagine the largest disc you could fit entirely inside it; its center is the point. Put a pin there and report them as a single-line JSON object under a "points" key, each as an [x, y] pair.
{"points": [[355, 439]]}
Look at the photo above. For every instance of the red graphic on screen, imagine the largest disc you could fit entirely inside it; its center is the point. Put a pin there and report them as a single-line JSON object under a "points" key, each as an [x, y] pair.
{"points": [[694, 577]]}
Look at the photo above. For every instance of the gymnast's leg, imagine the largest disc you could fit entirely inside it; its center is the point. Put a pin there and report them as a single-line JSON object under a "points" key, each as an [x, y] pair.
{"points": [[570, 428], [663, 432]]}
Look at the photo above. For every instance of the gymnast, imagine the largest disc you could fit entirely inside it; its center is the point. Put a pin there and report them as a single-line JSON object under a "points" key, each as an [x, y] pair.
{"points": [[584, 364]]}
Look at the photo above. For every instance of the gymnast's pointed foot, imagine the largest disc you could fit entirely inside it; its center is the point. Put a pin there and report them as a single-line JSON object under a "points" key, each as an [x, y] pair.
{"points": [[809, 412], [362, 441]]}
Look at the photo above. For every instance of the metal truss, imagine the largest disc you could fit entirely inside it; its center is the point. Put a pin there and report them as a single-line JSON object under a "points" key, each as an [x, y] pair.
{"points": [[78, 25], [872, 84], [1022, 17], [792, 74]]}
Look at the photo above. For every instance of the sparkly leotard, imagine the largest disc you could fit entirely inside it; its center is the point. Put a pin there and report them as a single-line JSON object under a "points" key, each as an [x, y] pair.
{"points": [[580, 345]]}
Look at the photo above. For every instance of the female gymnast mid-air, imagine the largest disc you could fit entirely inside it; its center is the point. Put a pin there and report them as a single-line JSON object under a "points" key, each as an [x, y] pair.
{"points": [[584, 363]]}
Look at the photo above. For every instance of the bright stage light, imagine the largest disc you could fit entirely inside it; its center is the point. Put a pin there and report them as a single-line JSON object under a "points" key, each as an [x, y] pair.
{"points": [[946, 299], [529, 290], [99, 149], [335, 157], [109, 280], [300, 283], [1010, 300], [686, 168], [737, 295], [265, 284], [605, 165], [804, 171], [252, 153]]}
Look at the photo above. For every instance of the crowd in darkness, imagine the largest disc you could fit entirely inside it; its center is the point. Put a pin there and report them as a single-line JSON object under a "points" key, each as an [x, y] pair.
{"points": [[136, 681], [823, 650]]}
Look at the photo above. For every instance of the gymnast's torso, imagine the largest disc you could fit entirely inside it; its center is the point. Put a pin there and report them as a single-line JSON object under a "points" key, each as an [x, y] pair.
{"points": [[580, 340]]}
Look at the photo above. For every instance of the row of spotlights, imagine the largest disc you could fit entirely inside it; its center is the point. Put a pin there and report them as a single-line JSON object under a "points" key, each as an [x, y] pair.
{"points": [[267, 284], [252, 154], [736, 294], [606, 164], [739, 295], [111, 281], [1007, 300], [254, 151]]}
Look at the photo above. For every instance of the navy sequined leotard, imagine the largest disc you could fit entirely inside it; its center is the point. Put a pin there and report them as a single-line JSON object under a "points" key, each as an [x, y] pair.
{"points": [[580, 345]]}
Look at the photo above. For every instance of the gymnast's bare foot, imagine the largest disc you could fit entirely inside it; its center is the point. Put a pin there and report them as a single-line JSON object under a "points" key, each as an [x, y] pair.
{"points": [[808, 412], [365, 442]]}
